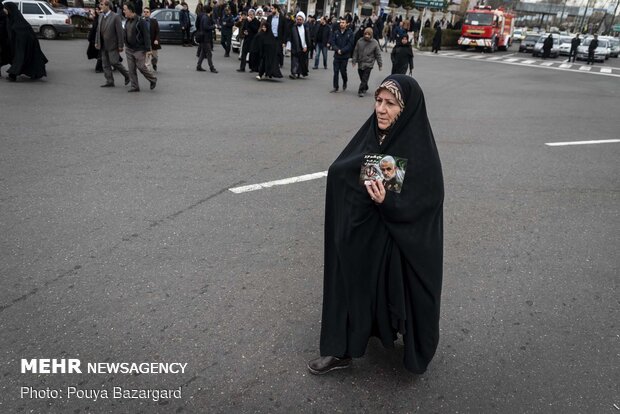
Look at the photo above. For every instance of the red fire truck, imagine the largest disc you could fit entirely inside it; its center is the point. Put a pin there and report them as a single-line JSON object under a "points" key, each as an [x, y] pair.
{"points": [[487, 29]]}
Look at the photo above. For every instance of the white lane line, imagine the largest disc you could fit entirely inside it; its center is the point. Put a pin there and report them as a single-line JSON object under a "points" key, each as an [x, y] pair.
{"points": [[606, 70], [291, 180], [478, 57], [498, 60], [566, 65], [547, 64], [528, 62], [463, 55], [599, 141], [511, 60], [585, 68]]}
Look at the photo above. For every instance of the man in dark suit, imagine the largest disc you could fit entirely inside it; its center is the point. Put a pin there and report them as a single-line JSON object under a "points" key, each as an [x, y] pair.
{"points": [[277, 24], [110, 41]]}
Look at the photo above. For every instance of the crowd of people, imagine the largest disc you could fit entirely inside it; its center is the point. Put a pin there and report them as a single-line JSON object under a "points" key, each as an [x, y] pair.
{"points": [[267, 35]]}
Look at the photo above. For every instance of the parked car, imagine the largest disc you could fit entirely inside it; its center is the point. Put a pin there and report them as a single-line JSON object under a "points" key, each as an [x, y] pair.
{"points": [[527, 44], [43, 19], [600, 53], [170, 28], [565, 45], [555, 48], [518, 35], [614, 45], [236, 42]]}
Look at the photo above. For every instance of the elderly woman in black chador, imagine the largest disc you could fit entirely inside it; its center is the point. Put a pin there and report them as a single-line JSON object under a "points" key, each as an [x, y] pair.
{"points": [[384, 249], [27, 57]]}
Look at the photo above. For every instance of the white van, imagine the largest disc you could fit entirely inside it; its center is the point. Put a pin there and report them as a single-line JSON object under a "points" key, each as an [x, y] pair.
{"points": [[43, 19]]}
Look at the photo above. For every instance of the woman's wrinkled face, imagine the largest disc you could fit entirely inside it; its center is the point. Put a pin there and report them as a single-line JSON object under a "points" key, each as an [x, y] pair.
{"points": [[387, 108]]}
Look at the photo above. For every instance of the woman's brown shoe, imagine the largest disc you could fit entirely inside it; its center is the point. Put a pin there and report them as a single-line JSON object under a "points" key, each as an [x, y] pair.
{"points": [[323, 365]]}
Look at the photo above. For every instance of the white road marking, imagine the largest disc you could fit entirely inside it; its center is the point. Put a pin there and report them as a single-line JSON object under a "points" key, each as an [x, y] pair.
{"points": [[599, 141], [547, 64], [496, 59], [512, 54], [606, 70], [465, 55], [291, 180], [566, 65], [585, 68], [478, 57], [528, 62], [511, 60]]}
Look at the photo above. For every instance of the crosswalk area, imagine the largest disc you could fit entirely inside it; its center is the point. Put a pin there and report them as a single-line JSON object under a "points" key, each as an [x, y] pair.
{"points": [[559, 64]]}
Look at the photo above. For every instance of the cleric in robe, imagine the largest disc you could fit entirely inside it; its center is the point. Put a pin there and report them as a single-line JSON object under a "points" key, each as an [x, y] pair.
{"points": [[397, 288]]}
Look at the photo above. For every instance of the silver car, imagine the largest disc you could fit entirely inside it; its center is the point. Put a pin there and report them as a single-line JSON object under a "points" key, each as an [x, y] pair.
{"points": [[555, 48], [600, 53], [527, 44], [614, 45], [565, 45]]}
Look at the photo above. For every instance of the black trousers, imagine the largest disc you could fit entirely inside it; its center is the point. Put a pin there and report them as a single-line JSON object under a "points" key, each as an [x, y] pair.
{"points": [[340, 68], [186, 36], [573, 54], [590, 56], [226, 42], [364, 76]]}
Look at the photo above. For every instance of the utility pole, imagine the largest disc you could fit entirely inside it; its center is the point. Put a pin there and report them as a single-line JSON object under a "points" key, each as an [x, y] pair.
{"points": [[583, 18]]}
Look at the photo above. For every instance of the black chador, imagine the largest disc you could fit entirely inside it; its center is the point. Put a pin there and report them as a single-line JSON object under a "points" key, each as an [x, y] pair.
{"points": [[383, 262], [402, 57], [28, 59], [266, 46]]}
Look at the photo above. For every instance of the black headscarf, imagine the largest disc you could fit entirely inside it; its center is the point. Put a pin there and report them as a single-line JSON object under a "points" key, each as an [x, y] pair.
{"points": [[383, 263], [28, 59]]}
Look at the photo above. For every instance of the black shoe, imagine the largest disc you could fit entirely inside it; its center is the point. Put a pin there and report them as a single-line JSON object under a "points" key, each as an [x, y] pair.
{"points": [[292, 76], [213, 70], [315, 67], [134, 90], [360, 94], [240, 70], [107, 85], [226, 55], [98, 70], [155, 68], [127, 81], [334, 90], [200, 69], [153, 85], [13, 78], [323, 365], [344, 86]]}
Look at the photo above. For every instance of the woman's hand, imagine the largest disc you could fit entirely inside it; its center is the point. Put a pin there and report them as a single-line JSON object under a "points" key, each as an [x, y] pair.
{"points": [[376, 190]]}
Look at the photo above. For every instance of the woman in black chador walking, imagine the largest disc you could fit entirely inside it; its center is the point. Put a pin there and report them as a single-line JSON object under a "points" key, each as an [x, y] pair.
{"points": [[27, 57], [266, 46], [437, 40], [402, 56], [383, 248]]}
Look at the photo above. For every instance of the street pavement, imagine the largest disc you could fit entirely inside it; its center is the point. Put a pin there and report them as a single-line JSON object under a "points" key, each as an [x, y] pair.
{"points": [[122, 242]]}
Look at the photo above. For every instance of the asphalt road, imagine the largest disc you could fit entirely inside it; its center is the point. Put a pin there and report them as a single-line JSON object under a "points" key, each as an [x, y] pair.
{"points": [[121, 242]]}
